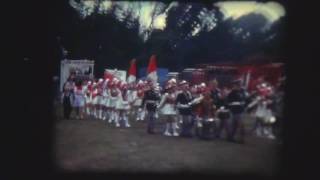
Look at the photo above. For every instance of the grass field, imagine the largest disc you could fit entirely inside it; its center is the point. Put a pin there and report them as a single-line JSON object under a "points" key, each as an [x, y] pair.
{"points": [[96, 146]]}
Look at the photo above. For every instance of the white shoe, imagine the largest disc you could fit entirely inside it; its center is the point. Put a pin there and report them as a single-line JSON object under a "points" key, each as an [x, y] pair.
{"points": [[104, 118], [271, 136], [167, 133], [175, 134], [117, 125], [128, 125], [199, 124]]}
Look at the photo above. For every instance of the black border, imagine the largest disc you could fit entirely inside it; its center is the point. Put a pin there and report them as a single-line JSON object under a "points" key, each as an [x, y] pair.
{"points": [[30, 140]]}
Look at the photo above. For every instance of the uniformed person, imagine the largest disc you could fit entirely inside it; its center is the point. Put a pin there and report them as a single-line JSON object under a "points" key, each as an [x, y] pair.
{"points": [[150, 102], [185, 110], [236, 103]]}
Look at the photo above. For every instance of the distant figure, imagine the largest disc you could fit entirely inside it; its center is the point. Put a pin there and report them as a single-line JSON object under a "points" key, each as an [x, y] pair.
{"points": [[79, 100], [67, 95]]}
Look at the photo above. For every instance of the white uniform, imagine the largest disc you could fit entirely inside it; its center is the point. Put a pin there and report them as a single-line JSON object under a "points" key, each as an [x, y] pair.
{"points": [[167, 105], [131, 95], [114, 97], [84, 89], [115, 100], [138, 96], [99, 96], [168, 109], [124, 101], [106, 101], [94, 96], [88, 95], [266, 119], [102, 98], [262, 111], [79, 98]]}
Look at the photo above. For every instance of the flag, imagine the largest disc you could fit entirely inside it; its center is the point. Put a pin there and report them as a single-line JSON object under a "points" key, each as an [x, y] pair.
{"points": [[132, 71], [152, 70]]}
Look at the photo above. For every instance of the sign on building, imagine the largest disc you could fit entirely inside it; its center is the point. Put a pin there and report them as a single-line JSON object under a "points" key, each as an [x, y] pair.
{"points": [[120, 74], [76, 68]]}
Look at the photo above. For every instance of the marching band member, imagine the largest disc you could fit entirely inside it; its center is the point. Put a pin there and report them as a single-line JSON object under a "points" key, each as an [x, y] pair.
{"points": [[100, 100], [145, 87], [215, 93], [223, 114], [137, 97], [105, 99], [94, 98], [197, 108], [157, 90], [124, 106], [149, 102], [115, 95], [176, 90], [184, 107], [168, 110], [208, 115], [264, 114], [132, 93], [87, 97], [79, 100], [89, 90], [108, 103], [66, 98], [237, 100]]}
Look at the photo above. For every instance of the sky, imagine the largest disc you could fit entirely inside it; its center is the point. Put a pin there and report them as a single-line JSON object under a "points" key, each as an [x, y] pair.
{"points": [[180, 34]]}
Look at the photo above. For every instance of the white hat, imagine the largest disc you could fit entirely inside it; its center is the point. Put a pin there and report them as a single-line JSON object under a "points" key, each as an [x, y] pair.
{"points": [[183, 82], [173, 80]]}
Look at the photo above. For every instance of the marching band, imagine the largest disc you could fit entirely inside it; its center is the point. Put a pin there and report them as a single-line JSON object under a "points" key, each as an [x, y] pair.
{"points": [[201, 110]]}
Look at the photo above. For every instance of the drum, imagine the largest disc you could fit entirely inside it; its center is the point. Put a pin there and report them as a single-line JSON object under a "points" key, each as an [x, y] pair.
{"points": [[208, 128]]}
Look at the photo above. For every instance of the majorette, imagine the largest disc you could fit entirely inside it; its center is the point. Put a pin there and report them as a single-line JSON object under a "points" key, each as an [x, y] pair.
{"points": [[124, 106], [115, 97], [168, 110]]}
